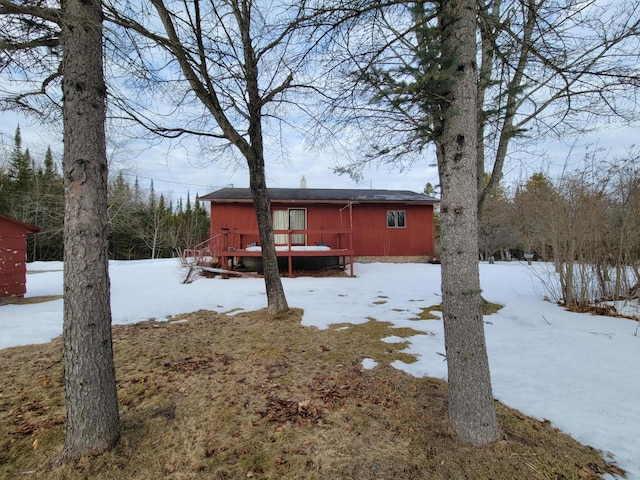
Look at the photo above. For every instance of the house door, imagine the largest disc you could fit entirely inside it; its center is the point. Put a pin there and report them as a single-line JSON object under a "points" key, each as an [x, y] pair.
{"points": [[291, 219]]}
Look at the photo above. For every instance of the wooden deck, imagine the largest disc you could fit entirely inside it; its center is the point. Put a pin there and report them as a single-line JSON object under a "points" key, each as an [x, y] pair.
{"points": [[342, 255], [233, 244]]}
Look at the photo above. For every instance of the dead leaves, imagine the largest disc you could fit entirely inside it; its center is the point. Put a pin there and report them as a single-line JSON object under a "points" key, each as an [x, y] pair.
{"points": [[330, 391], [194, 365], [364, 389], [291, 412], [599, 309], [28, 419], [593, 471], [190, 365]]}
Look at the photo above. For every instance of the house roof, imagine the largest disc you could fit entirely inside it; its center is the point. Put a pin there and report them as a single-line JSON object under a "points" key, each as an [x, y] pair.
{"points": [[26, 226], [325, 195]]}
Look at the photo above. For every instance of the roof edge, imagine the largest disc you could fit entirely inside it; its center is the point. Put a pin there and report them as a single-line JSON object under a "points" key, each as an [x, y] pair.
{"points": [[324, 195], [26, 226]]}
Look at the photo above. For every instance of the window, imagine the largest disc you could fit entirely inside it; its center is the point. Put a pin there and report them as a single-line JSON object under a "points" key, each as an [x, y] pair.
{"points": [[280, 222], [396, 218], [291, 219], [298, 221]]}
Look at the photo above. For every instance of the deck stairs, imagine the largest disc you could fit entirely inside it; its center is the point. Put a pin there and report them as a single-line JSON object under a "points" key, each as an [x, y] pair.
{"points": [[205, 257]]}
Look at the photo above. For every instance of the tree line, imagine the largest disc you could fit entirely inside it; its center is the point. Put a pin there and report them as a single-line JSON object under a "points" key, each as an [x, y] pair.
{"points": [[142, 223], [586, 223]]}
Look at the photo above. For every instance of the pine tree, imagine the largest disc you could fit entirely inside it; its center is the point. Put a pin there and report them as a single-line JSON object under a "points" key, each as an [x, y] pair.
{"points": [[50, 170], [20, 169], [46, 200]]}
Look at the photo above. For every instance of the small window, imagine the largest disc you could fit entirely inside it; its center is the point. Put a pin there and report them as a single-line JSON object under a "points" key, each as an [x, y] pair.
{"points": [[396, 219]]}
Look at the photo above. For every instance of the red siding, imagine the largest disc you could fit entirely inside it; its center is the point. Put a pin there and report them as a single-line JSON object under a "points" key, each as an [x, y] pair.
{"points": [[13, 257], [371, 237], [234, 215]]}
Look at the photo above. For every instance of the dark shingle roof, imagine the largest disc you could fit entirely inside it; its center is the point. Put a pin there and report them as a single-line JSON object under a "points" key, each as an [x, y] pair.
{"points": [[320, 195]]}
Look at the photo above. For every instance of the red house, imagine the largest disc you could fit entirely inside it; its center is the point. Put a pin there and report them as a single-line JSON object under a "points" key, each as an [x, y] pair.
{"points": [[13, 257], [334, 224]]}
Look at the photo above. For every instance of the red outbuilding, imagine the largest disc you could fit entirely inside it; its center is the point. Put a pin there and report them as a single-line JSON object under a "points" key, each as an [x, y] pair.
{"points": [[13, 257], [343, 224]]}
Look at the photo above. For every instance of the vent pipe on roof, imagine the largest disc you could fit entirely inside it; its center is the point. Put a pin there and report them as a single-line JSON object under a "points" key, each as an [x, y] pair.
{"points": [[303, 182]]}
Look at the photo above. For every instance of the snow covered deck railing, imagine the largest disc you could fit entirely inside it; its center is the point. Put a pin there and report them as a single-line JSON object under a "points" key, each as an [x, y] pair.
{"points": [[293, 248]]}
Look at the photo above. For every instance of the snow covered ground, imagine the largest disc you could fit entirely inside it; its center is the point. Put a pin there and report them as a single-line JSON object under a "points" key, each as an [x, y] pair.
{"points": [[582, 372]]}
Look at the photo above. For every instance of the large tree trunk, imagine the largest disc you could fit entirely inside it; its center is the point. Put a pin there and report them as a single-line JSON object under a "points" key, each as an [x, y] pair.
{"points": [[90, 387], [471, 408]]}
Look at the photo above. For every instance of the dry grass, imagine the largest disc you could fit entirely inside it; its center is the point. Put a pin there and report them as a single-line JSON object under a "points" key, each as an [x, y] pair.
{"points": [[488, 308], [212, 396]]}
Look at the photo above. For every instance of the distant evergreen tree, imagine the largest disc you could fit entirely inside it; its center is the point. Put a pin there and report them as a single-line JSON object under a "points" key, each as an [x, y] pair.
{"points": [[535, 205], [122, 219], [144, 226], [430, 190], [20, 165], [5, 187], [201, 222], [31, 192], [50, 170], [187, 208], [46, 197]]}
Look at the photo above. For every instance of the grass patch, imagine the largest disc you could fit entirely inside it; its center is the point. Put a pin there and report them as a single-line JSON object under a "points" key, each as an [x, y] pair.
{"points": [[232, 397], [381, 302], [364, 341], [426, 313], [489, 308]]}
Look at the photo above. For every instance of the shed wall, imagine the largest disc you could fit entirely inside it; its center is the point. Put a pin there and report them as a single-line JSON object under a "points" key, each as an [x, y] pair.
{"points": [[13, 258]]}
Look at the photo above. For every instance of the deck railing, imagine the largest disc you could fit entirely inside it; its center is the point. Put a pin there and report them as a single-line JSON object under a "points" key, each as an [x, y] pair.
{"points": [[208, 249], [233, 242], [336, 239]]}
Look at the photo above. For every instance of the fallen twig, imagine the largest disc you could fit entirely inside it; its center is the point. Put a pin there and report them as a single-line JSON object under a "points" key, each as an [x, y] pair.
{"points": [[610, 335]]}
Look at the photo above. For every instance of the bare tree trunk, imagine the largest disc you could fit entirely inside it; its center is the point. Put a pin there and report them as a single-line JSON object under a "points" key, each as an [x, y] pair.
{"points": [[471, 408], [91, 399], [209, 92], [276, 299]]}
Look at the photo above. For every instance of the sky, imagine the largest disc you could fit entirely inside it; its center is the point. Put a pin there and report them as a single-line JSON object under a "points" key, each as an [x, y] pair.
{"points": [[576, 370], [178, 170]]}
